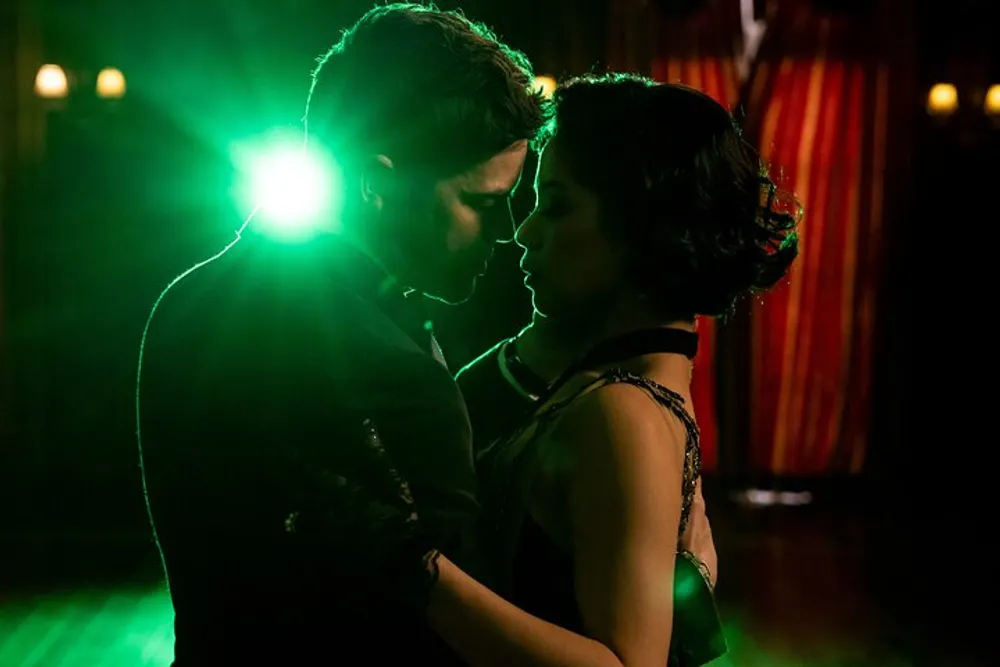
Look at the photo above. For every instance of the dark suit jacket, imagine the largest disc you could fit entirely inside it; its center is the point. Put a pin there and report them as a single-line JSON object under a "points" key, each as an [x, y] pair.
{"points": [[495, 408], [258, 370]]}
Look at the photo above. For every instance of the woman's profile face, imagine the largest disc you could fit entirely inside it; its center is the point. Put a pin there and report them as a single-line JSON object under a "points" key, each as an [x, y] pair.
{"points": [[572, 267]]}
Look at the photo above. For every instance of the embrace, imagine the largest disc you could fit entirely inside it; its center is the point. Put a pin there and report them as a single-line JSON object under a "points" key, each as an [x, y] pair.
{"points": [[325, 491]]}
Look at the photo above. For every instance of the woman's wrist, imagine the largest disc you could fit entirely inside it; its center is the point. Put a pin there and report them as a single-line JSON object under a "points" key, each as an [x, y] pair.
{"points": [[413, 573], [431, 563]]}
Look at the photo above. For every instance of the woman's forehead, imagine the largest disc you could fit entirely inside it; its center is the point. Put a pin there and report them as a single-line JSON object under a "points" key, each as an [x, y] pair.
{"points": [[551, 169]]}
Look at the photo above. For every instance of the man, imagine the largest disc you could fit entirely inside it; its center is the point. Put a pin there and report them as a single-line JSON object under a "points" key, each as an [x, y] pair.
{"points": [[262, 368]]}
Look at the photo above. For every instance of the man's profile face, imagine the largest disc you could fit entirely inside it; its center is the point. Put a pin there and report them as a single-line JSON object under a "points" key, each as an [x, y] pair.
{"points": [[448, 235]]}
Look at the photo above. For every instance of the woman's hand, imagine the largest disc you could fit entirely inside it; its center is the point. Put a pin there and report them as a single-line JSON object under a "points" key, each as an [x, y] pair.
{"points": [[697, 538]]}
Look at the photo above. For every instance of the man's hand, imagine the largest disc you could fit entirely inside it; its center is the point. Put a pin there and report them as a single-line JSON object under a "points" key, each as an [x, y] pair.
{"points": [[368, 518]]}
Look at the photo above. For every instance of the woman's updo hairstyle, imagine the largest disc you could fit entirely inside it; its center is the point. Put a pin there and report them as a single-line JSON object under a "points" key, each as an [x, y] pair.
{"points": [[691, 199]]}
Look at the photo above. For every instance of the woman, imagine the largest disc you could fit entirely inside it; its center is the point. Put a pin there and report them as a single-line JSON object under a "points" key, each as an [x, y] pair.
{"points": [[504, 385], [651, 210]]}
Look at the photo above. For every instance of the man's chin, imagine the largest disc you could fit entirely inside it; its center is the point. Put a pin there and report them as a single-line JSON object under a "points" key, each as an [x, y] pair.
{"points": [[455, 293]]}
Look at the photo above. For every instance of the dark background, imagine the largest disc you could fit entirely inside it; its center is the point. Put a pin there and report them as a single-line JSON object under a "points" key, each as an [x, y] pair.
{"points": [[103, 203]]}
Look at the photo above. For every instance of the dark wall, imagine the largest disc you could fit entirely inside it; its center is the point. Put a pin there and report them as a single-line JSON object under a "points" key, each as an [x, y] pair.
{"points": [[932, 451]]}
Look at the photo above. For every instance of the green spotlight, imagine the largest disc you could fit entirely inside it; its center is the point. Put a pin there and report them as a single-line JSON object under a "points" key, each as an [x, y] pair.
{"points": [[291, 187]]}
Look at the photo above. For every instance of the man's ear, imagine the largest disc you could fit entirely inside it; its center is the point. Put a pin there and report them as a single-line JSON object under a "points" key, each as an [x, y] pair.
{"points": [[377, 181]]}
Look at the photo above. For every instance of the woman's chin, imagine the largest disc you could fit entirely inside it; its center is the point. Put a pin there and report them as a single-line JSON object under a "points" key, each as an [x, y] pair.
{"points": [[541, 306]]}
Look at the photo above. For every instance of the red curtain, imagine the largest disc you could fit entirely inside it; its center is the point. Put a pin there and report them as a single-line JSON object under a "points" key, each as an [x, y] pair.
{"points": [[699, 51], [819, 105]]}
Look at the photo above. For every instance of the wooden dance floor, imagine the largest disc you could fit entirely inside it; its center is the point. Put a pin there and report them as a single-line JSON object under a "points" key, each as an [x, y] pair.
{"points": [[795, 591]]}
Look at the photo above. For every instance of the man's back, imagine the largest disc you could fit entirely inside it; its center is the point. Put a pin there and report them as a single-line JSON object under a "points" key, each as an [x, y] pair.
{"points": [[258, 372]]}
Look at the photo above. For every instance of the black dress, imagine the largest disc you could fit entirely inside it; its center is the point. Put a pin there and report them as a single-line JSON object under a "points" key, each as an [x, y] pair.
{"points": [[536, 574]]}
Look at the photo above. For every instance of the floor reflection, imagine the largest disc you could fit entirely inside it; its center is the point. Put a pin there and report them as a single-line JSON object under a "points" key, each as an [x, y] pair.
{"points": [[799, 586]]}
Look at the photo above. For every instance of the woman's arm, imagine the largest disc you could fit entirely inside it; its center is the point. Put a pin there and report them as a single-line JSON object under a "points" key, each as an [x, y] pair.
{"points": [[625, 505], [487, 631]]}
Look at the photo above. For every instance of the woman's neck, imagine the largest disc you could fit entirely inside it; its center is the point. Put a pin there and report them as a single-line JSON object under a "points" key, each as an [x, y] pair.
{"points": [[548, 347], [629, 313]]}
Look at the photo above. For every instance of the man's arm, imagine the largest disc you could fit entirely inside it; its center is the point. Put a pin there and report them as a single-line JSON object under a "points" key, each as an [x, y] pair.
{"points": [[421, 417]]}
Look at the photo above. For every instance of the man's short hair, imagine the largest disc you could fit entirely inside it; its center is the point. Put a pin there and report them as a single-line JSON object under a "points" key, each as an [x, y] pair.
{"points": [[430, 89]]}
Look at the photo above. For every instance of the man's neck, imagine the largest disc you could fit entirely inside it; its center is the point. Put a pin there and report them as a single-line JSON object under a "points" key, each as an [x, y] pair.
{"points": [[379, 259], [365, 249]]}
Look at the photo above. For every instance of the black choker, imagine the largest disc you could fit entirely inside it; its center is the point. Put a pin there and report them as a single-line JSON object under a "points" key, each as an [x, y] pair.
{"points": [[629, 346]]}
